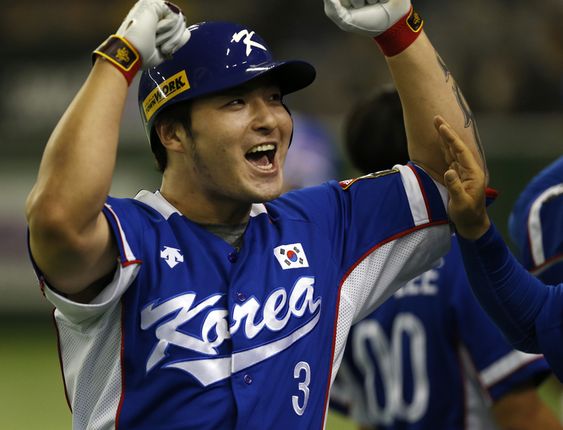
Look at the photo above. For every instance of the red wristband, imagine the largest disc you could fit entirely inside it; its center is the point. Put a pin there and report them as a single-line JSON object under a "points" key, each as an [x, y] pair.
{"points": [[400, 35], [119, 52]]}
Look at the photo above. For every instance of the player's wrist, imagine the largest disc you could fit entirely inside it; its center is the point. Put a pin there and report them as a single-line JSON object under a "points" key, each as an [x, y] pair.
{"points": [[476, 230], [400, 35], [121, 54]]}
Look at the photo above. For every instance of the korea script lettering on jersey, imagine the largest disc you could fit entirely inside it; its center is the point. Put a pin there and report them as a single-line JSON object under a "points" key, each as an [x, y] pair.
{"points": [[216, 329], [189, 323]]}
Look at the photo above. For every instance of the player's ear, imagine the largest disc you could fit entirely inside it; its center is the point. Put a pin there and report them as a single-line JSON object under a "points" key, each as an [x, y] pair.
{"points": [[172, 134]]}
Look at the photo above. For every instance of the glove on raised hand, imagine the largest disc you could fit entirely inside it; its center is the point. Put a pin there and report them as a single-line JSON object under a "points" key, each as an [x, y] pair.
{"points": [[369, 17], [151, 32], [156, 29]]}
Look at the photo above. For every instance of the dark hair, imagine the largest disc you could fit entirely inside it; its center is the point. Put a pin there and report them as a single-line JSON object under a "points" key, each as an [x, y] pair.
{"points": [[375, 137], [178, 113]]}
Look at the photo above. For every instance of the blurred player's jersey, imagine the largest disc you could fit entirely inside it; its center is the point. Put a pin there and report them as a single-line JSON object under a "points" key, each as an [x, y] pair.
{"points": [[312, 159], [195, 334], [430, 358], [536, 224]]}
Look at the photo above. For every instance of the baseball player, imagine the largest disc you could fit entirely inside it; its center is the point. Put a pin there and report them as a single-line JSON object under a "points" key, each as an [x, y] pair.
{"points": [[212, 302], [523, 307], [429, 357], [535, 224]]}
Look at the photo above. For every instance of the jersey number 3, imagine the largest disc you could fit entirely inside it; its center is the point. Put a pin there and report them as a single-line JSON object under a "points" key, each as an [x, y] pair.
{"points": [[301, 372]]}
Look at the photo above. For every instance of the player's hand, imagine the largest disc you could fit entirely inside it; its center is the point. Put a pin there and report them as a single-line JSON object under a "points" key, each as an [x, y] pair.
{"points": [[369, 17], [466, 182], [156, 29]]}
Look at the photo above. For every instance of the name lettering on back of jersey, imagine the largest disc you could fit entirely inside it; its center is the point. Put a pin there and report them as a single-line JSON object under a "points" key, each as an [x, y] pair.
{"points": [[423, 285], [291, 256], [345, 184], [172, 256], [279, 308]]}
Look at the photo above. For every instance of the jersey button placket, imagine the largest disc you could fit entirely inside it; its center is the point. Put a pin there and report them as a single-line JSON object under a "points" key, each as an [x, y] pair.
{"points": [[247, 378], [232, 257]]}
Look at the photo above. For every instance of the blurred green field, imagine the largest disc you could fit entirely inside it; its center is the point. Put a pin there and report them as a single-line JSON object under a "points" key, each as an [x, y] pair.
{"points": [[32, 395]]}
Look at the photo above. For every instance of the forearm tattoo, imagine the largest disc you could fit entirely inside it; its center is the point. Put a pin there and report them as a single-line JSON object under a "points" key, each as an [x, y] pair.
{"points": [[443, 66], [469, 118]]}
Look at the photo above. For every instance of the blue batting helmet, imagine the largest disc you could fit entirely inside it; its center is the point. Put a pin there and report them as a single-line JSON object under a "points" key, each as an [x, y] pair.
{"points": [[218, 56]]}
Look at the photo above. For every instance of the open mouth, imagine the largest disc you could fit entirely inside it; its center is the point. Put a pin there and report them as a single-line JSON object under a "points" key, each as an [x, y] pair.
{"points": [[262, 156]]}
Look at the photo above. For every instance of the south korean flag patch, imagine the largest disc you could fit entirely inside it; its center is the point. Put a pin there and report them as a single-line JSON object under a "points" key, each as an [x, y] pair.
{"points": [[291, 256]]}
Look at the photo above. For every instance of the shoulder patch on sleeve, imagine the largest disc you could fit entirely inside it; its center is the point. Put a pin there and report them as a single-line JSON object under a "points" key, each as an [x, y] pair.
{"points": [[348, 182]]}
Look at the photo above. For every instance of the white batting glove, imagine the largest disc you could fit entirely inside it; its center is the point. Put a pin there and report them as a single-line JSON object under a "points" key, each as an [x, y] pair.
{"points": [[156, 29], [369, 17]]}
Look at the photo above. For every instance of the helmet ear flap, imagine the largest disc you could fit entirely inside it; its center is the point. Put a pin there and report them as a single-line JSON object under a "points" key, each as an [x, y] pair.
{"points": [[292, 123]]}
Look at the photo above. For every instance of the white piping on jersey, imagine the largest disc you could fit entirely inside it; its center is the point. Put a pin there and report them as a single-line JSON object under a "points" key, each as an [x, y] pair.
{"points": [[534, 223], [157, 201], [548, 264], [277, 311], [415, 195], [476, 399], [129, 256], [257, 209], [508, 364]]}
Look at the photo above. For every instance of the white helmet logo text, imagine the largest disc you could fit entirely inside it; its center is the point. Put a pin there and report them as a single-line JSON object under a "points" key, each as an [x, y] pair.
{"points": [[237, 37]]}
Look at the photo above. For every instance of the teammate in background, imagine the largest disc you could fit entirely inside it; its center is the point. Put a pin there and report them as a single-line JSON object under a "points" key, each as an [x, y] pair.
{"points": [[429, 357], [312, 159], [535, 224], [213, 302], [535, 227], [374, 131], [527, 311]]}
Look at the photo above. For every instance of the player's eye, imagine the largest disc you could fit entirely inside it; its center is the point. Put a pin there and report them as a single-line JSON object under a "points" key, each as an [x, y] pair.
{"points": [[276, 97], [235, 102]]}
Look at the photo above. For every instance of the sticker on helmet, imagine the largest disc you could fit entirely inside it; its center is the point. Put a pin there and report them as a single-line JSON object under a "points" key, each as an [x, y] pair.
{"points": [[237, 37], [165, 91]]}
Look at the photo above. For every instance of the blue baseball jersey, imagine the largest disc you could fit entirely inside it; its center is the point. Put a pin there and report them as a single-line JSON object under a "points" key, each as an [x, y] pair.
{"points": [[195, 334], [430, 358], [527, 310], [535, 224]]}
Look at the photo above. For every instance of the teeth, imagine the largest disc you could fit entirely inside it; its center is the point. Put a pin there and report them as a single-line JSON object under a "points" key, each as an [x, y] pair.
{"points": [[259, 148]]}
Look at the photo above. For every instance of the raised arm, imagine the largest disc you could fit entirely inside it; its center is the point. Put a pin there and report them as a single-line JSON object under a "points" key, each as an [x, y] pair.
{"points": [[519, 304], [70, 239], [526, 310], [424, 83]]}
